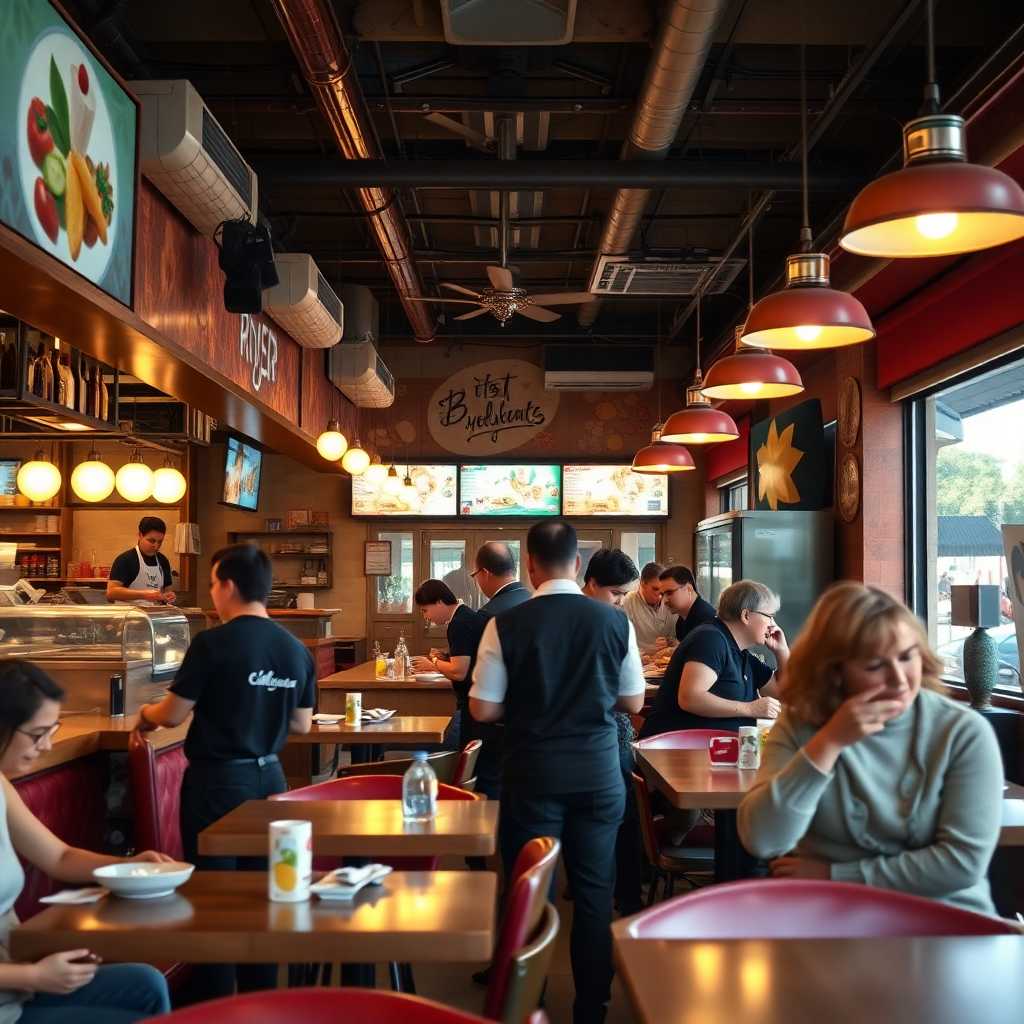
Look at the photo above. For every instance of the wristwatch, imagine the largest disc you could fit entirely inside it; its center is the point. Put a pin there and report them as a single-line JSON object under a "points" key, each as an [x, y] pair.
{"points": [[433, 660]]}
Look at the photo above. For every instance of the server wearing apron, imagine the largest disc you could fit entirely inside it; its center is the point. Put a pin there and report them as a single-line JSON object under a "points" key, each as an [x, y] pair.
{"points": [[142, 574]]}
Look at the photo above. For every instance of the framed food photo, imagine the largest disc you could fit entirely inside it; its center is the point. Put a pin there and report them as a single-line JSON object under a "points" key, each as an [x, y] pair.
{"points": [[68, 134]]}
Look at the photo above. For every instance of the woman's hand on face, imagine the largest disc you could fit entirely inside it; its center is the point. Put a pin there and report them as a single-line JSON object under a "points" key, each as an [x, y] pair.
{"points": [[151, 857], [859, 716], [58, 975], [792, 866]]}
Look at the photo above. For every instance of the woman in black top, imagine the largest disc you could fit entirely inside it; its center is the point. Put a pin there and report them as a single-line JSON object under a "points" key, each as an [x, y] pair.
{"points": [[713, 681], [440, 607]]}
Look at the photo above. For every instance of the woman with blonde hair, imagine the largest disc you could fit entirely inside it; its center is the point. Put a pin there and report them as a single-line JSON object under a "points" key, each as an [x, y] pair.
{"points": [[870, 774]]}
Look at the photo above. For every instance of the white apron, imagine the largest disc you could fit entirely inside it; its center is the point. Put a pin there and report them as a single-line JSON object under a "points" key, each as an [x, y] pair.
{"points": [[150, 577]]}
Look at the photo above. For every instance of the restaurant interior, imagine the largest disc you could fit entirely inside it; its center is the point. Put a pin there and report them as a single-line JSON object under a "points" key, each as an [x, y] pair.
{"points": [[719, 290]]}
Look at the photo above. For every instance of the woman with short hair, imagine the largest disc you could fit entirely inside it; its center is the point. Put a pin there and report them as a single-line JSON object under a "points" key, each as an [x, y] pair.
{"points": [[871, 774]]}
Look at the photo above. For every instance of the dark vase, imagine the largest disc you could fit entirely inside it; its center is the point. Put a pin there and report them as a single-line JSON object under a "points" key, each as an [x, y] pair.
{"points": [[981, 666]]}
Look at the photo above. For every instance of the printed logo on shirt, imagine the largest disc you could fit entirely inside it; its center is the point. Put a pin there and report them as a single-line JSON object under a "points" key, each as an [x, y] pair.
{"points": [[270, 681]]}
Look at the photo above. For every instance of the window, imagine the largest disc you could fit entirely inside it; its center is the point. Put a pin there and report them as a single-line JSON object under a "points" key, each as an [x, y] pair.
{"points": [[733, 496], [394, 592], [969, 464], [641, 547]]}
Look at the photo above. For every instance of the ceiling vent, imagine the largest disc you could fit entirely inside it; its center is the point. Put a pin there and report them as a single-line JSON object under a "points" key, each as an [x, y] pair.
{"points": [[359, 373], [598, 368], [362, 314], [500, 23], [620, 275], [189, 157], [303, 303]]}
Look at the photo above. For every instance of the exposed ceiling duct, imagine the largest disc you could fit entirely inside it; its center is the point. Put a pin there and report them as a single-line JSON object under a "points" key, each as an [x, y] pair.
{"points": [[315, 37], [687, 31]]}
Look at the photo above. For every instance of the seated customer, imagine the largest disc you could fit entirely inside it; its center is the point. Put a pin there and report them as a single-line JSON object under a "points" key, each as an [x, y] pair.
{"points": [[713, 681], [55, 988], [679, 595], [653, 622], [870, 774]]}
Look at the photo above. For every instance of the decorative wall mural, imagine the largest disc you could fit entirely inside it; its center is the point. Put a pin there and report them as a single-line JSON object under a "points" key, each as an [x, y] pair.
{"points": [[789, 458]]}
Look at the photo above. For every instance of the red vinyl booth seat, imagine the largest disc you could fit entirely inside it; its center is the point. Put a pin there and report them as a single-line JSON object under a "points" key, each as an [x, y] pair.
{"points": [[156, 789], [787, 908], [682, 739]]}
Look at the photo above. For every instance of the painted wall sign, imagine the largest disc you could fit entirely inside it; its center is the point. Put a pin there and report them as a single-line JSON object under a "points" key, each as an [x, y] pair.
{"points": [[257, 344], [491, 408]]}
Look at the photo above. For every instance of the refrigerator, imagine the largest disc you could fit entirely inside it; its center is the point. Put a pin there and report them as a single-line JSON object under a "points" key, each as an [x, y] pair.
{"points": [[791, 552]]}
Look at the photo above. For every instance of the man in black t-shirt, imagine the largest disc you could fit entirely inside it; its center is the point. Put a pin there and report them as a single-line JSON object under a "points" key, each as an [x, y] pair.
{"points": [[679, 595], [142, 573]]}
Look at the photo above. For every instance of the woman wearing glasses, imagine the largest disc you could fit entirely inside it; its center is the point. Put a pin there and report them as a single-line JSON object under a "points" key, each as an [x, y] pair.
{"points": [[60, 987], [713, 681]]}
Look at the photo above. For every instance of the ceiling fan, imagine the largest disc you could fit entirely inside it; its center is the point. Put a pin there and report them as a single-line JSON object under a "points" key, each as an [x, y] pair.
{"points": [[503, 298]]}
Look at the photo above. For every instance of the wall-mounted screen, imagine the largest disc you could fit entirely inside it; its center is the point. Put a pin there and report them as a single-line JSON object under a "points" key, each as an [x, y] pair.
{"points": [[9, 477], [510, 490], [613, 491], [431, 492], [67, 143], [243, 465]]}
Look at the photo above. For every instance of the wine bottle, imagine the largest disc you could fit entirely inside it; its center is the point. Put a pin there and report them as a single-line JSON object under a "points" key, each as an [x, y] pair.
{"points": [[46, 372], [92, 407], [54, 355], [104, 411], [69, 380], [82, 384]]}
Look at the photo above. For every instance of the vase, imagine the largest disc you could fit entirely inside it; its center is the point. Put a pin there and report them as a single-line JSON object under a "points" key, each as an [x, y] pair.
{"points": [[981, 665]]}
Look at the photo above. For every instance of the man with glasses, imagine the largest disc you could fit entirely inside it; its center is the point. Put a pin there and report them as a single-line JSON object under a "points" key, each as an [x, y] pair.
{"points": [[679, 596], [653, 620]]}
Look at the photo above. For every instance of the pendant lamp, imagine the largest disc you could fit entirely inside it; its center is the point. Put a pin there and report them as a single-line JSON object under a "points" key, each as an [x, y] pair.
{"points": [[376, 471], [392, 481], [752, 373], [356, 459], [92, 480], [938, 204], [332, 443], [698, 422], [169, 484], [409, 492], [38, 479], [808, 313], [134, 480], [661, 457]]}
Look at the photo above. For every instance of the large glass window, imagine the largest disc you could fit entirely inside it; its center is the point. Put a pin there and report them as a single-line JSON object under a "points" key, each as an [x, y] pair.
{"points": [[640, 546], [394, 592], [972, 485], [734, 495]]}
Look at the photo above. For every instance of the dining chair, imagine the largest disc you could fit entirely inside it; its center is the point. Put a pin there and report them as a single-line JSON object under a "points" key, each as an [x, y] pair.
{"points": [[682, 739], [443, 762], [464, 775], [789, 908], [328, 1006], [526, 939]]}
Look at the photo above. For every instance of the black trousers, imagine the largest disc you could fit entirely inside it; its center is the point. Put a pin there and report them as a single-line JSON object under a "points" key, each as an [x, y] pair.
{"points": [[587, 824], [209, 790]]}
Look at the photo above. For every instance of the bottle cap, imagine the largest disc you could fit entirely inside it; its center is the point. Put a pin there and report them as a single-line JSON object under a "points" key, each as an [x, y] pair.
{"points": [[419, 755]]}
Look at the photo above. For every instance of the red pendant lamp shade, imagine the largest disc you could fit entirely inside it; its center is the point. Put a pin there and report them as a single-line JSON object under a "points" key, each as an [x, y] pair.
{"points": [[660, 457], [807, 313], [752, 373], [698, 422]]}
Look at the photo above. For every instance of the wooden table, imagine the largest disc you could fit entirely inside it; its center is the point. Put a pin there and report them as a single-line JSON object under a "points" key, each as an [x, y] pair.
{"points": [[225, 917], [1012, 833], [406, 696], [368, 828], [797, 981]]}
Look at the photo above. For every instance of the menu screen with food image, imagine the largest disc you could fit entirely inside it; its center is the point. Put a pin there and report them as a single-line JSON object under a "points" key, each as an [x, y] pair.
{"points": [[510, 490], [430, 492], [67, 147], [613, 491]]}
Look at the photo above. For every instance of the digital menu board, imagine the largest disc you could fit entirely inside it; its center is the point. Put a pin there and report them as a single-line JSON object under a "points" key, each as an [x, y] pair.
{"points": [[432, 492], [613, 491], [533, 490]]}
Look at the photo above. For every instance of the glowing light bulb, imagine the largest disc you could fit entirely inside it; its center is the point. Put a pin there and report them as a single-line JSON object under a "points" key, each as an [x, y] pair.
{"points": [[38, 480], [751, 387], [355, 460], [376, 472], [134, 481], [332, 443], [393, 483], [92, 480], [936, 225], [697, 439], [169, 485], [808, 332]]}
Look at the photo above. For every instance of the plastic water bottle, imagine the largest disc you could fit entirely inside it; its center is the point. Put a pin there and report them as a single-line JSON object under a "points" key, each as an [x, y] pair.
{"points": [[419, 789]]}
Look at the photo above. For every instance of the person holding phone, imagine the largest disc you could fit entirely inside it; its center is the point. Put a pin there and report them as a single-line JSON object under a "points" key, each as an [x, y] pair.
{"points": [[871, 774], [66, 986]]}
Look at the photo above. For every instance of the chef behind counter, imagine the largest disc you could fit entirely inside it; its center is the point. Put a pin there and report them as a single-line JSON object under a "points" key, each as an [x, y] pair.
{"points": [[142, 574]]}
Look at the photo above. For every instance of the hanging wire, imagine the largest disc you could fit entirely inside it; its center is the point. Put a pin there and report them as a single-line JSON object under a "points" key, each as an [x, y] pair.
{"points": [[931, 89], [805, 227]]}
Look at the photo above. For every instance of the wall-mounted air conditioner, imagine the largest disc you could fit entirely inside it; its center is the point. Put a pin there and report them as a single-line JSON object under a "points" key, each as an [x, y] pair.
{"points": [[189, 157], [359, 373], [303, 303], [598, 367]]}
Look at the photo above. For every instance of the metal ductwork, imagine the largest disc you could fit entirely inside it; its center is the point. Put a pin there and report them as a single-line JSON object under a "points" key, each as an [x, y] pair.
{"points": [[684, 40], [316, 38]]}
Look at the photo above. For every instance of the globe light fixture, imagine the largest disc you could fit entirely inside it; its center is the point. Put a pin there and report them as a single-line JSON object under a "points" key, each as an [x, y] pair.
{"points": [[356, 459], [169, 484], [92, 480], [38, 479], [332, 443], [134, 480], [376, 471], [661, 457], [392, 481]]}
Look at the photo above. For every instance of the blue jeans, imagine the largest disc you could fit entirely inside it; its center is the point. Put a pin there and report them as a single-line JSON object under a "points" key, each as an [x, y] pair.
{"points": [[119, 994]]}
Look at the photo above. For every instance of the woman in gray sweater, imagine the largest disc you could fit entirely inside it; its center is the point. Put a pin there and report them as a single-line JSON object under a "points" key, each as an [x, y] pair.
{"points": [[870, 774]]}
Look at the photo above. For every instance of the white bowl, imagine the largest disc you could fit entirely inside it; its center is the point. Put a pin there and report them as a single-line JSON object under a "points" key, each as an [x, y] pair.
{"points": [[141, 880]]}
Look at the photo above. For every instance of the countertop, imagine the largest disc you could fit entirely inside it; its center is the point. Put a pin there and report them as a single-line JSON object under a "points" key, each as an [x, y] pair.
{"points": [[288, 613]]}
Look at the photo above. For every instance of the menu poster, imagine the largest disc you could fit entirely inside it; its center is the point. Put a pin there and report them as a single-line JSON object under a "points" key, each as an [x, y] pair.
{"points": [[67, 146], [9, 477], [432, 493], [613, 491], [510, 490]]}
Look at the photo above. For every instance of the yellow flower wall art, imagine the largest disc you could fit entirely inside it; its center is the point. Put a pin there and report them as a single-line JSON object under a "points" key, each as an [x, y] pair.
{"points": [[776, 460]]}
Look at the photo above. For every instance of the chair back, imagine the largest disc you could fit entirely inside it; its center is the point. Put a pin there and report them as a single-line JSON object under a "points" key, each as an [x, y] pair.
{"points": [[443, 762], [324, 1006], [682, 739], [527, 895], [465, 766], [529, 971], [648, 831], [785, 908], [368, 787], [156, 791]]}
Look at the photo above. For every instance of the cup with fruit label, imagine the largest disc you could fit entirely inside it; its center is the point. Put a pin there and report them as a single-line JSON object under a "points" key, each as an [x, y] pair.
{"points": [[291, 860]]}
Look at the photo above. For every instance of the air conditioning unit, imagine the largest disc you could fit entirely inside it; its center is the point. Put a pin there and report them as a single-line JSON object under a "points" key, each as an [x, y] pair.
{"points": [[303, 303], [598, 367], [189, 157], [620, 275], [362, 314], [500, 23], [359, 373]]}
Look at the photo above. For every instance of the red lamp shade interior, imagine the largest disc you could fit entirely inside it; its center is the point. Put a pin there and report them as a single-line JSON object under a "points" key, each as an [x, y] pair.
{"points": [[807, 318], [660, 457], [752, 375], [699, 424]]}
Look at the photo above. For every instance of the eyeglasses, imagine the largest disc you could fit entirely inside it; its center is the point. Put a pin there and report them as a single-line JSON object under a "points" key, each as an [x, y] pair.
{"points": [[766, 615], [38, 738], [476, 572]]}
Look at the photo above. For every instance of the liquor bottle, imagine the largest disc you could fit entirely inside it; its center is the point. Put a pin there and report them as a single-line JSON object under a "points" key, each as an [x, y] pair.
{"points": [[35, 379], [104, 410], [54, 354], [94, 399], [68, 379], [45, 371], [81, 384]]}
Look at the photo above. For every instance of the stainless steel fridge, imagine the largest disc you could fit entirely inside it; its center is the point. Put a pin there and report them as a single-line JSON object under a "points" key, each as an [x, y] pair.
{"points": [[791, 552]]}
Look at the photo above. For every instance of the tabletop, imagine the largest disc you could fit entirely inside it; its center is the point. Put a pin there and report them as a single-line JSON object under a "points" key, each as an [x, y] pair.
{"points": [[400, 729], [367, 828], [364, 677], [225, 916], [790, 981]]}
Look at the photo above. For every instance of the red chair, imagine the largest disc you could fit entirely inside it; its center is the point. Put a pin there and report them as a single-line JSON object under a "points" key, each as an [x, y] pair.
{"points": [[156, 790], [464, 775], [326, 1006], [526, 940], [682, 739], [789, 908]]}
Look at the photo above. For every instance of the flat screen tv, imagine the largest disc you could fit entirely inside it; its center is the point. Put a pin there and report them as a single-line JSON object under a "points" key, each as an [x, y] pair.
{"points": [[432, 492], [601, 490], [513, 490], [9, 477], [67, 144], [243, 466]]}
